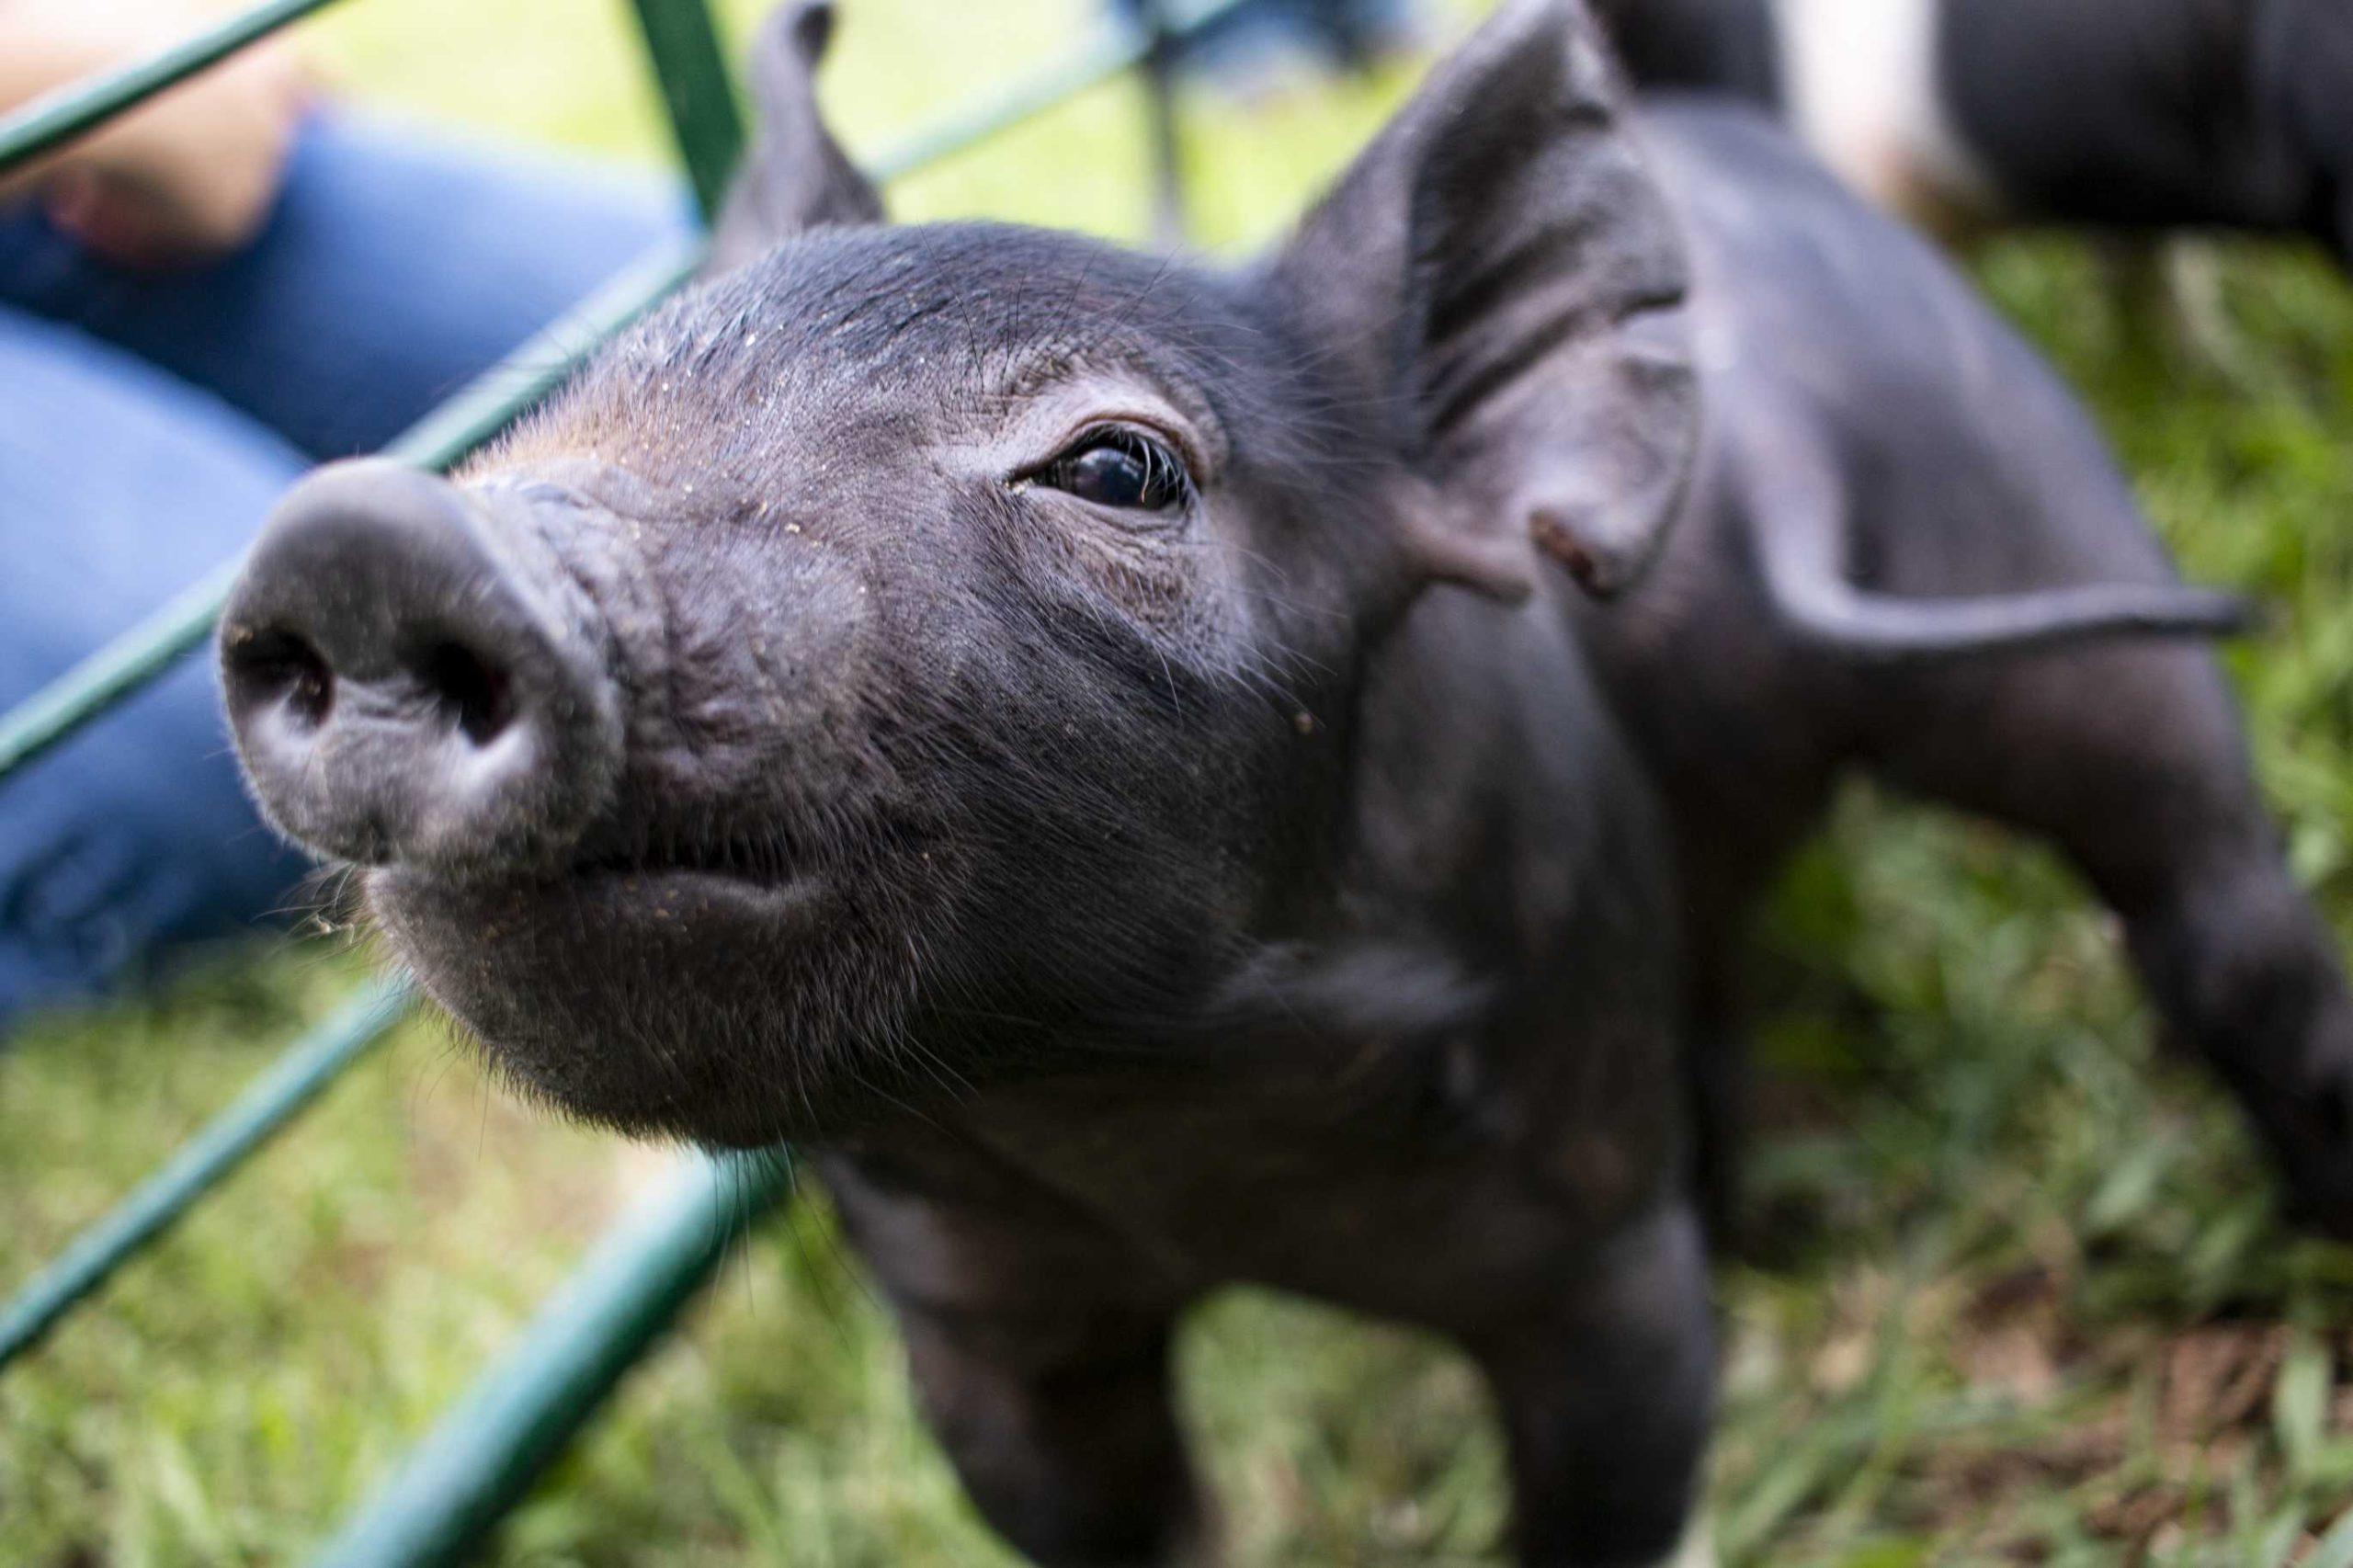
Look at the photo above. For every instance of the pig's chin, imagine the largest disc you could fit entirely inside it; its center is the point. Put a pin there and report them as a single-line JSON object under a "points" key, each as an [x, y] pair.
{"points": [[663, 1003]]}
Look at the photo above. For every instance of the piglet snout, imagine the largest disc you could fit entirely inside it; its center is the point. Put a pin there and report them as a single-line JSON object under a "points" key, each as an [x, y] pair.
{"points": [[413, 679]]}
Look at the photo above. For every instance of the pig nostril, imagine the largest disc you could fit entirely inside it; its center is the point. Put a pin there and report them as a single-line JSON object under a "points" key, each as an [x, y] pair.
{"points": [[477, 693], [413, 678], [282, 668]]}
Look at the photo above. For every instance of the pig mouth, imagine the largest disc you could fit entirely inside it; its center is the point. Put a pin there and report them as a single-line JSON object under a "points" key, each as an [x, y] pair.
{"points": [[749, 872], [731, 993], [726, 877]]}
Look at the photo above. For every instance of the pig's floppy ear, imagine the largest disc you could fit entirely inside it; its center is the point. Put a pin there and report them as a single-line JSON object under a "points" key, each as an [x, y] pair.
{"points": [[795, 176], [1500, 269]]}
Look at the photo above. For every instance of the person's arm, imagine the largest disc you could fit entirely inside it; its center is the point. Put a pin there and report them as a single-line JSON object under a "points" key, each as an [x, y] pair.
{"points": [[188, 174]]}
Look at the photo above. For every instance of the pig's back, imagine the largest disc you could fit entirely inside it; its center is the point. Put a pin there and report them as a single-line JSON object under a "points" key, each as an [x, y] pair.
{"points": [[1718, 45], [1967, 460], [1797, 276]]}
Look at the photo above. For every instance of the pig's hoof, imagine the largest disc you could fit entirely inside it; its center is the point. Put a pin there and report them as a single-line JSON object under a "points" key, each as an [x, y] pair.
{"points": [[2323, 1207], [1699, 1548], [2316, 1158]]}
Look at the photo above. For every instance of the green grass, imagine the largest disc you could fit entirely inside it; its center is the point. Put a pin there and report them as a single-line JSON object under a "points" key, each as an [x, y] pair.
{"points": [[2025, 1298]]}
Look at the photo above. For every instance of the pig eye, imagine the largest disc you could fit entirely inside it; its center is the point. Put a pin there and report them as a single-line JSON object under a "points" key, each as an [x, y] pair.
{"points": [[1121, 468]]}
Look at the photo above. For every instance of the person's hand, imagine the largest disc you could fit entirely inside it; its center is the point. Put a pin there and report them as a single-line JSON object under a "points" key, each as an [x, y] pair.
{"points": [[189, 176]]}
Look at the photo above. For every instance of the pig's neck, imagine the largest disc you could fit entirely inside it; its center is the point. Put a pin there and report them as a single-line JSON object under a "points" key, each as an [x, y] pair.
{"points": [[1480, 1014]]}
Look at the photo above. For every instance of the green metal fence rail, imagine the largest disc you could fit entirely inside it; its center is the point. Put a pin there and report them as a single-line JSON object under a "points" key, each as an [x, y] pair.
{"points": [[202, 1163], [487, 1450], [482, 1457], [49, 122]]}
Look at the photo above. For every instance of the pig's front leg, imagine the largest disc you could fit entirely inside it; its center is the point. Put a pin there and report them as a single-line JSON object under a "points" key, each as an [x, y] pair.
{"points": [[1039, 1349], [1062, 1428], [1606, 1392]]}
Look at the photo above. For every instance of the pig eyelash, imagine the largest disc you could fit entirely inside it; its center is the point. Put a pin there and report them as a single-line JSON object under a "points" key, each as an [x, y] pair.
{"points": [[1117, 467]]}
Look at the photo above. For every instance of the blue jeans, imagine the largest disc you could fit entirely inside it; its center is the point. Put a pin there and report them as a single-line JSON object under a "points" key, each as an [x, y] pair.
{"points": [[147, 422], [1349, 33]]}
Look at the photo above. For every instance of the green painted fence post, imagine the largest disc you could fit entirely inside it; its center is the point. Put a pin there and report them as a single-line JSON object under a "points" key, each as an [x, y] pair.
{"points": [[699, 91]]}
